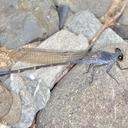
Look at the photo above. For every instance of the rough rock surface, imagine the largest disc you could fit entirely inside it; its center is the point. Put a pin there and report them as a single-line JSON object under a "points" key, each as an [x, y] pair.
{"points": [[124, 18], [24, 21], [97, 7], [85, 22], [122, 31], [73, 102], [122, 27], [33, 87]]}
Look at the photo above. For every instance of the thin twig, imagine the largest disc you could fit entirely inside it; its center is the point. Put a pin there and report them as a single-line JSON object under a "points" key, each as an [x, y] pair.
{"points": [[111, 17]]}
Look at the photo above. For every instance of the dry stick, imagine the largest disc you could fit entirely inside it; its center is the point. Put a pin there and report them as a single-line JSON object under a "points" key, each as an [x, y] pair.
{"points": [[108, 23]]}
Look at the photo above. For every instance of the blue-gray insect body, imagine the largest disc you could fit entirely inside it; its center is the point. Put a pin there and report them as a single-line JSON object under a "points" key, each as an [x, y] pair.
{"points": [[100, 58], [97, 58], [103, 58]]}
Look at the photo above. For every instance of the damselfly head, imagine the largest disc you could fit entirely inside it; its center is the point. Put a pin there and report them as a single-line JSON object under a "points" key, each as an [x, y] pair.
{"points": [[120, 56]]}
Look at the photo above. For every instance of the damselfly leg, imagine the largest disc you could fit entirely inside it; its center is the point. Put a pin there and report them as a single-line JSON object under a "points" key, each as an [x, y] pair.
{"points": [[93, 71], [109, 67], [89, 67]]}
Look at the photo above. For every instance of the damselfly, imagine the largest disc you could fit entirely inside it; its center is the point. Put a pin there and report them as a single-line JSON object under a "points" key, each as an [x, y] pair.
{"points": [[46, 58]]}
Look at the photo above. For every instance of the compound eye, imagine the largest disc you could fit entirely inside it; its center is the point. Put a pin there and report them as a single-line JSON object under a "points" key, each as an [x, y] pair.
{"points": [[117, 50], [120, 57]]}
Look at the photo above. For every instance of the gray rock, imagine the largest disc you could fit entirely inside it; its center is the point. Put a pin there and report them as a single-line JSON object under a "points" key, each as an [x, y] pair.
{"points": [[88, 26], [24, 21], [63, 12], [122, 27], [76, 104], [33, 87], [73, 103], [121, 30], [33, 96], [98, 7], [62, 40], [124, 18]]}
